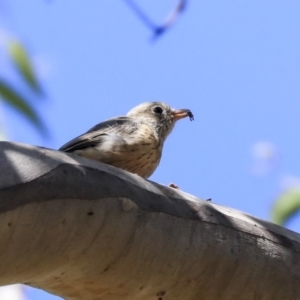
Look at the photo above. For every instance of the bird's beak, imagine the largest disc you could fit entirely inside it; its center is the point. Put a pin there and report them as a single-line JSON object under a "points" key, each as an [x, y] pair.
{"points": [[182, 113]]}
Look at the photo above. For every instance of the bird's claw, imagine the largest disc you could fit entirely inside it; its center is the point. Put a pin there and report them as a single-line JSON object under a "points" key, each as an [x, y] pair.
{"points": [[174, 186]]}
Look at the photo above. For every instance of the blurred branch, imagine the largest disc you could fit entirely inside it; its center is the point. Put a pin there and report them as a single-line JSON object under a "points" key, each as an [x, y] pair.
{"points": [[158, 30], [141, 14], [171, 18]]}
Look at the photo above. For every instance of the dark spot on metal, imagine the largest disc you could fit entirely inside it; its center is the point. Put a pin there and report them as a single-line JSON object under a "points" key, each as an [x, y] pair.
{"points": [[160, 294], [106, 269], [141, 288], [9, 224], [90, 213]]}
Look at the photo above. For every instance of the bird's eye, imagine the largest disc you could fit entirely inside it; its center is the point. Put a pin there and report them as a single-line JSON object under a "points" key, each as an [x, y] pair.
{"points": [[158, 110]]}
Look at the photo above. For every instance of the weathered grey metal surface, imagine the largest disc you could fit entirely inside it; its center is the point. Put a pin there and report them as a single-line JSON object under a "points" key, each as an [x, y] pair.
{"points": [[84, 230]]}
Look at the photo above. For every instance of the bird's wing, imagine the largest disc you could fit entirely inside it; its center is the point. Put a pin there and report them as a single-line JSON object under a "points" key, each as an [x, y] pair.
{"points": [[96, 134]]}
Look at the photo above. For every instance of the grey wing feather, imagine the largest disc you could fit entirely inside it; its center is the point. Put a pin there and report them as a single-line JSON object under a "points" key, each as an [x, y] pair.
{"points": [[111, 123], [95, 135]]}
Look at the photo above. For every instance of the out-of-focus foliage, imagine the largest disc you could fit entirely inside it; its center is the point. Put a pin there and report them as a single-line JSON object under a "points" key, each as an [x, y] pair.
{"points": [[19, 95], [286, 205], [21, 60], [11, 96], [266, 160]]}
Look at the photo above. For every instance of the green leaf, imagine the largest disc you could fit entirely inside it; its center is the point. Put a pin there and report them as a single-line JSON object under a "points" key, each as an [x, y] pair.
{"points": [[9, 95], [22, 61], [286, 205]]}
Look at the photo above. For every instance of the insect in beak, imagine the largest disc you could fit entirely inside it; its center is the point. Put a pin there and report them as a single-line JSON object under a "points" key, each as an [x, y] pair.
{"points": [[182, 113]]}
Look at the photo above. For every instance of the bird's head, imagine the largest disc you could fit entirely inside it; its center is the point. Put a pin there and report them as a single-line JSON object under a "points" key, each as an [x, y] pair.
{"points": [[160, 116]]}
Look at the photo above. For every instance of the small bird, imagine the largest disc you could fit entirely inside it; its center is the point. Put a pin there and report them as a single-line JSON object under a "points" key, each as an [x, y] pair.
{"points": [[134, 142]]}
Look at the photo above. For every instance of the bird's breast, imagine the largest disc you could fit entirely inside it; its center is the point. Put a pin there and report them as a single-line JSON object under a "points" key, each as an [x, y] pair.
{"points": [[138, 152]]}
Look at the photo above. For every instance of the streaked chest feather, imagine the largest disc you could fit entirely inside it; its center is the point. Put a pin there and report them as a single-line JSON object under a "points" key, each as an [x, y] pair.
{"points": [[138, 153]]}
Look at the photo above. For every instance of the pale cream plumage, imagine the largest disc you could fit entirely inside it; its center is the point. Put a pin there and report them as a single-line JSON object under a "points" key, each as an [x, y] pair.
{"points": [[133, 143]]}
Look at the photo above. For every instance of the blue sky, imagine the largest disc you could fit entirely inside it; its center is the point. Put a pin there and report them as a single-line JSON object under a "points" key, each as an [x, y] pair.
{"points": [[234, 63]]}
